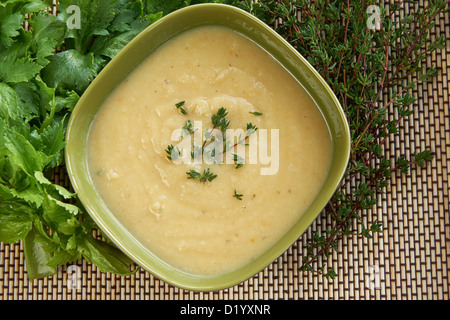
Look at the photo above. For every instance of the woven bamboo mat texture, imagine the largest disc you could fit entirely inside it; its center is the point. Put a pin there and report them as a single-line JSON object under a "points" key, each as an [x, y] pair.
{"points": [[409, 261]]}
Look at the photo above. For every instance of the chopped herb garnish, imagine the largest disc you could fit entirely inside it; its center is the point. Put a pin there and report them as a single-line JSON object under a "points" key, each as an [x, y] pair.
{"points": [[219, 120], [237, 195], [193, 174], [256, 113], [180, 106], [189, 127], [238, 160], [207, 175], [251, 129], [171, 155]]}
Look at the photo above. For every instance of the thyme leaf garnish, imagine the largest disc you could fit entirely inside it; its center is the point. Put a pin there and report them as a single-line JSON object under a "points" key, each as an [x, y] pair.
{"points": [[237, 195], [189, 127], [180, 106], [206, 176], [219, 119], [171, 155], [238, 160]]}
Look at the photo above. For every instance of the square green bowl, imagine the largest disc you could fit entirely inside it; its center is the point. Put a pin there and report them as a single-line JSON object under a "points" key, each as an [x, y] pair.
{"points": [[126, 61]]}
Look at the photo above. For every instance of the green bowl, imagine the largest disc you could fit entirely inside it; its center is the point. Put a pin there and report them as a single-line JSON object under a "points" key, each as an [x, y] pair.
{"points": [[126, 61]]}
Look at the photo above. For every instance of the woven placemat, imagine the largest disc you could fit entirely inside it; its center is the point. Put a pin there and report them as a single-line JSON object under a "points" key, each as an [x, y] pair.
{"points": [[410, 260]]}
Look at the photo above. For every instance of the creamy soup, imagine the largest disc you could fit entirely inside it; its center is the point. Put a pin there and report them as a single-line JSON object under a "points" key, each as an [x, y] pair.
{"points": [[222, 223]]}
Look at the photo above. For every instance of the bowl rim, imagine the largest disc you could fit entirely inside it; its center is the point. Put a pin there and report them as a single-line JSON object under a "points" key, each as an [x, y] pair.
{"points": [[118, 235]]}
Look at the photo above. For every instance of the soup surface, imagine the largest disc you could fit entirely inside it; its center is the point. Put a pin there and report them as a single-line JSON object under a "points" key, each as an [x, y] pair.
{"points": [[244, 205]]}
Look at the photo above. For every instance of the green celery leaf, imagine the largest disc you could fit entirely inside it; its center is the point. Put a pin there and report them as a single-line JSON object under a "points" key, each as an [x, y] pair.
{"points": [[48, 32], [12, 16], [37, 256], [10, 24], [110, 45], [104, 256], [124, 15], [21, 152], [164, 6], [9, 104], [25, 6], [15, 217], [65, 102], [53, 143], [129, 20], [26, 188], [29, 100], [66, 194], [71, 71], [95, 15], [46, 102], [56, 215], [14, 70], [61, 257], [15, 160]]}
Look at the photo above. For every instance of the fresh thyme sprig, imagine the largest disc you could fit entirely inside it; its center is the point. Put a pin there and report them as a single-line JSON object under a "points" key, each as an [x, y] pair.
{"points": [[219, 119], [193, 174], [251, 129], [171, 155], [206, 176], [373, 72]]}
